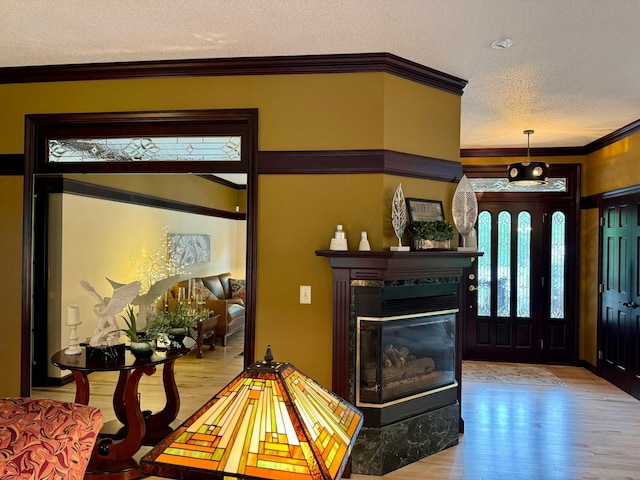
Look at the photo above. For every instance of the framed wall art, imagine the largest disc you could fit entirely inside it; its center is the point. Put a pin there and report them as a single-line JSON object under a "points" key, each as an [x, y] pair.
{"points": [[185, 249], [421, 210]]}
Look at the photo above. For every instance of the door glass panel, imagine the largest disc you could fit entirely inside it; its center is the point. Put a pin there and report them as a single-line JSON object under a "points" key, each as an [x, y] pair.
{"points": [[484, 264], [558, 249], [523, 280], [504, 265]]}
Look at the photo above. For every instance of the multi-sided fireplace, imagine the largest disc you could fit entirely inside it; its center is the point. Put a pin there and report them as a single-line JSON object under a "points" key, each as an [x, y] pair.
{"points": [[404, 357], [396, 352]]}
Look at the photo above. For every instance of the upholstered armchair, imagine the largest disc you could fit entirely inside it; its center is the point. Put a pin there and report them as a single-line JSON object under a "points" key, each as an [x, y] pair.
{"points": [[43, 438]]}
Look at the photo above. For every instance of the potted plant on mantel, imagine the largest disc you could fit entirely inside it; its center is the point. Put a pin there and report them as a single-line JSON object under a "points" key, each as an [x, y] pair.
{"points": [[431, 235]]}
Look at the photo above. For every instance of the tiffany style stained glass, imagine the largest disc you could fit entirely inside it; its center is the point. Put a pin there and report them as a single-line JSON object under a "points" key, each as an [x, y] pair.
{"points": [[271, 421]]}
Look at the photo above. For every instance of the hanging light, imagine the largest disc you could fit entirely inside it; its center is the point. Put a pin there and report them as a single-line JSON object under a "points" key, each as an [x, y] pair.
{"points": [[271, 421], [528, 173]]}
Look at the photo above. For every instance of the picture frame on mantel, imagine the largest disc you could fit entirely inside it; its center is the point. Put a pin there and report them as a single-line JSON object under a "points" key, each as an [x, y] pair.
{"points": [[422, 210]]}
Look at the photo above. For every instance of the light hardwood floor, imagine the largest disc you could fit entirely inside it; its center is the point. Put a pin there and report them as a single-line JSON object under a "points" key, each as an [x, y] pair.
{"points": [[588, 429]]}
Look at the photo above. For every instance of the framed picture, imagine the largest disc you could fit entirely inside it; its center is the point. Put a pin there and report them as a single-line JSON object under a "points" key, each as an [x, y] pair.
{"points": [[185, 249], [421, 210]]}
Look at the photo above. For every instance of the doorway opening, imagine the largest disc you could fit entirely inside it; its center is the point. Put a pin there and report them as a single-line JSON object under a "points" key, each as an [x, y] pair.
{"points": [[48, 175]]}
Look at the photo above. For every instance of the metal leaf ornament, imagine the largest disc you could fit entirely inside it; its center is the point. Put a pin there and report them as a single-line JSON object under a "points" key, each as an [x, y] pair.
{"points": [[464, 208], [398, 214]]}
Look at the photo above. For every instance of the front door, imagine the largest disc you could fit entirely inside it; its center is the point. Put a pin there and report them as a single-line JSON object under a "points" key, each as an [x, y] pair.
{"points": [[521, 306], [620, 314]]}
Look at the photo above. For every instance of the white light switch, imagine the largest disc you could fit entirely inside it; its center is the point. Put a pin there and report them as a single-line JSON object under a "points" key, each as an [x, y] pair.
{"points": [[305, 293]]}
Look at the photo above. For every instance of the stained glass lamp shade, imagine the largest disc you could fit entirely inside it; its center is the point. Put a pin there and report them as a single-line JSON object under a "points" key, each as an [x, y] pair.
{"points": [[271, 421]]}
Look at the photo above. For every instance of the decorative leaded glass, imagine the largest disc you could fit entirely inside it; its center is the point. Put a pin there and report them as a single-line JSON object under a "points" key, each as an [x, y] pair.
{"points": [[148, 149], [502, 185], [504, 265], [484, 264], [558, 260], [523, 280]]}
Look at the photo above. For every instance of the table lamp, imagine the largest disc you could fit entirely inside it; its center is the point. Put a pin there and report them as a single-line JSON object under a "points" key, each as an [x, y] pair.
{"points": [[271, 421]]}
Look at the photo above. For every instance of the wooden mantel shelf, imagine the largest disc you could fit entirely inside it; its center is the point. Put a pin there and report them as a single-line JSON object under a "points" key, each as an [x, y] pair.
{"points": [[392, 265]]}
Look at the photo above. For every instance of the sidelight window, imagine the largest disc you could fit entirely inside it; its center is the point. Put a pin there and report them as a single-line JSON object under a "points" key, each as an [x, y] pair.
{"points": [[484, 264], [558, 260], [504, 265], [523, 282]]}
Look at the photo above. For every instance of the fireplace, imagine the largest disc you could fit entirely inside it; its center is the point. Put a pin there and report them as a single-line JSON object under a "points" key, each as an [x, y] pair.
{"points": [[404, 357], [396, 352]]}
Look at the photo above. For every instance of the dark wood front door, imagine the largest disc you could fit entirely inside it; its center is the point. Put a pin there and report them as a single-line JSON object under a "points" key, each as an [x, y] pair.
{"points": [[523, 308], [619, 333]]}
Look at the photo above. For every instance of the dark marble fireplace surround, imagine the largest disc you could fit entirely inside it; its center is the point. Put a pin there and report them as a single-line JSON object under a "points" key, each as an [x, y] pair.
{"points": [[387, 284]]}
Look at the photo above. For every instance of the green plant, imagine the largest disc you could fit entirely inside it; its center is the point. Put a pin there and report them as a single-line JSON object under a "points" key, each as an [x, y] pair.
{"points": [[182, 316], [437, 230], [132, 328]]}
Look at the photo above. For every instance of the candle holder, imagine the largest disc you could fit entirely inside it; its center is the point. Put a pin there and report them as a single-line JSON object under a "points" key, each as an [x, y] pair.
{"points": [[73, 320]]}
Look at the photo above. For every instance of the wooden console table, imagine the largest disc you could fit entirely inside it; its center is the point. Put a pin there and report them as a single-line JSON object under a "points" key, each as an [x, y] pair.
{"points": [[113, 452], [205, 330]]}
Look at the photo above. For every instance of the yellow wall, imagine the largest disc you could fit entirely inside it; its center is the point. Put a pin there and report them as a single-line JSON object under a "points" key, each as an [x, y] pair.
{"points": [[296, 112], [11, 282]]}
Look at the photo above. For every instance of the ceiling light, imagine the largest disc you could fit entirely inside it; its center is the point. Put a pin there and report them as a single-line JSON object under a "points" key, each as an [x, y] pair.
{"points": [[528, 173], [502, 44]]}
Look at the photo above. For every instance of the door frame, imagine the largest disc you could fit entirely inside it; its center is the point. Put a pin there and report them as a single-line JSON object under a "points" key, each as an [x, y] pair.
{"points": [[40, 127], [571, 198]]}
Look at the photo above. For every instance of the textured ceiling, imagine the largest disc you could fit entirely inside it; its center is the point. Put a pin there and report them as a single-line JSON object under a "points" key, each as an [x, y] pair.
{"points": [[572, 73]]}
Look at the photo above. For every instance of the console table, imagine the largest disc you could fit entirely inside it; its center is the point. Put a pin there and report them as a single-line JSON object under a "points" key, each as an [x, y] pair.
{"points": [[119, 440]]}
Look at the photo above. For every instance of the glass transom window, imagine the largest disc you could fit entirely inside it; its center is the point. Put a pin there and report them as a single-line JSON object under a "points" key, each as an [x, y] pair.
{"points": [[502, 185], [146, 149]]}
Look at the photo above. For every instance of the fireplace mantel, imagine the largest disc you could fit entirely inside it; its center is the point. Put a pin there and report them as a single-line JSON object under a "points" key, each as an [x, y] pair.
{"points": [[387, 265], [416, 282]]}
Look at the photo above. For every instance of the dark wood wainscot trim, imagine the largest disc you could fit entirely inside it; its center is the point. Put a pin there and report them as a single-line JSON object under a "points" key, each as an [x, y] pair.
{"points": [[353, 266]]}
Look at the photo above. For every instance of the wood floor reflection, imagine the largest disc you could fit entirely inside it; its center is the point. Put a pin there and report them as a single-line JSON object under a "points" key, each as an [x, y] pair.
{"points": [[586, 429]]}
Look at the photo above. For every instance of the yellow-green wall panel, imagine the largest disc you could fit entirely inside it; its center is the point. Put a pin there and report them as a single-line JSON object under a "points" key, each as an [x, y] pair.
{"points": [[614, 166], [421, 120], [11, 244]]}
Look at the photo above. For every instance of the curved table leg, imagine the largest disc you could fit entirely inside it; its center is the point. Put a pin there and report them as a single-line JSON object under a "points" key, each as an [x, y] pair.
{"points": [[82, 387], [118, 396], [158, 423], [106, 449]]}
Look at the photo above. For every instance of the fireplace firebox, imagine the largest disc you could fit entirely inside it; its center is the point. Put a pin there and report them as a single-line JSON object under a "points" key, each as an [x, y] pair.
{"points": [[404, 357]]}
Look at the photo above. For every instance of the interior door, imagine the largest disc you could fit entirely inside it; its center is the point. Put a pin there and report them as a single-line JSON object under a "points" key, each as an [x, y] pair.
{"points": [[620, 316], [522, 308]]}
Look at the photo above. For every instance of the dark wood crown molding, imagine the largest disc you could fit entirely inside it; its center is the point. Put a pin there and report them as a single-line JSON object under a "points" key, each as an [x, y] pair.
{"points": [[274, 65], [358, 161], [616, 136]]}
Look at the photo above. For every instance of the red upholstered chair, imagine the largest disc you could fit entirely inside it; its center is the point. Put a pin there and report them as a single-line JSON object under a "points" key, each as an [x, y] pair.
{"points": [[43, 438]]}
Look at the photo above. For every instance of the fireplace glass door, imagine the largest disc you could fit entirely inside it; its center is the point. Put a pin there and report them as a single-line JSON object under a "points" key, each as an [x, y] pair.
{"points": [[404, 356]]}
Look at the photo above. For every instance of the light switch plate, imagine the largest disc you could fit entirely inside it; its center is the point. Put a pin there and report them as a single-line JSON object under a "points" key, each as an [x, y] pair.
{"points": [[305, 294]]}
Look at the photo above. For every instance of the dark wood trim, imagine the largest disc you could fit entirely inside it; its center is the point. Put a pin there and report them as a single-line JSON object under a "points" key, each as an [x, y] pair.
{"points": [[358, 161], [615, 136], [273, 65], [37, 127], [11, 164], [593, 201], [522, 152], [125, 196]]}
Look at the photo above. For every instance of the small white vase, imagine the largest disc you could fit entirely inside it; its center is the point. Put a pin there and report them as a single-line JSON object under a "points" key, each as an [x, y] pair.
{"points": [[364, 243]]}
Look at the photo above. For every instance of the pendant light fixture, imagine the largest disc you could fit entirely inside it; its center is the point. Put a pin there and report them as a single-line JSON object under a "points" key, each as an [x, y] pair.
{"points": [[528, 173]]}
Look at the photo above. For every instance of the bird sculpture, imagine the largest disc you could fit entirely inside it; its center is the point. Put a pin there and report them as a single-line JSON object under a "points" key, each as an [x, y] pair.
{"points": [[107, 332], [154, 293]]}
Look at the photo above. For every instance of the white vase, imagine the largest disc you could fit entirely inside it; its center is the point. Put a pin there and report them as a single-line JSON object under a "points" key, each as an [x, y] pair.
{"points": [[364, 243]]}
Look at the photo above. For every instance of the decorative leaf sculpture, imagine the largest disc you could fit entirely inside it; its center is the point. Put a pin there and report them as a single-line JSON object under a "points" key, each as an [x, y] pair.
{"points": [[399, 214], [464, 208]]}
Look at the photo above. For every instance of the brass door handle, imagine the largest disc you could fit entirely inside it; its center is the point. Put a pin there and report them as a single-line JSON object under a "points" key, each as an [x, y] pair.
{"points": [[472, 288]]}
